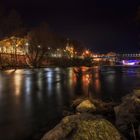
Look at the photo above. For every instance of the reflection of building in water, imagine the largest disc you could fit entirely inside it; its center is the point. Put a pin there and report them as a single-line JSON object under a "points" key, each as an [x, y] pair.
{"points": [[49, 80], [28, 85], [71, 77], [97, 82], [86, 79], [85, 83], [17, 83]]}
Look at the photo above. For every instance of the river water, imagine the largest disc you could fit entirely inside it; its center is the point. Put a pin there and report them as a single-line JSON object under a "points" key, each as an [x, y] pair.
{"points": [[32, 101]]}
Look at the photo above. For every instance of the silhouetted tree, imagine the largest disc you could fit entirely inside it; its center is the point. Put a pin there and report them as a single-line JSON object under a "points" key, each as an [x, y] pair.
{"points": [[11, 45], [40, 38]]}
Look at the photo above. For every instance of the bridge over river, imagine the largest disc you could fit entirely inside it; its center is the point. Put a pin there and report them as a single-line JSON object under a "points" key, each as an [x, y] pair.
{"points": [[125, 59], [129, 59]]}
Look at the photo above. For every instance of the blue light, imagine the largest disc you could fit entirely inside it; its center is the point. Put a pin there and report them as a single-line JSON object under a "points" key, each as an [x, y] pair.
{"points": [[130, 62]]}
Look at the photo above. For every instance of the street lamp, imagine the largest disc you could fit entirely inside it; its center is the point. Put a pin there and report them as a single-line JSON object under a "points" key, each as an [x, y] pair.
{"points": [[39, 46], [27, 44], [27, 47]]}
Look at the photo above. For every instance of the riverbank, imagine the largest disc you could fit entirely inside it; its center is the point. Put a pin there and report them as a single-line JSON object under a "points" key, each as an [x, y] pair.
{"points": [[91, 119], [54, 66], [50, 62]]}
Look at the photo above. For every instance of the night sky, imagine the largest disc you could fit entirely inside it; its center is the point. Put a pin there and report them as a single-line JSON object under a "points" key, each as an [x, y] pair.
{"points": [[102, 25]]}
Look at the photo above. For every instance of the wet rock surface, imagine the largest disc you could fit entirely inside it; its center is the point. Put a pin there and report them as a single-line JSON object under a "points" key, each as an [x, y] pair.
{"points": [[86, 106], [98, 129], [128, 115], [83, 127], [96, 107], [91, 119]]}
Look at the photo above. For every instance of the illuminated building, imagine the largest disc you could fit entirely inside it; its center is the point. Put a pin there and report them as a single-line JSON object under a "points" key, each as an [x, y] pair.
{"points": [[14, 45], [70, 50]]}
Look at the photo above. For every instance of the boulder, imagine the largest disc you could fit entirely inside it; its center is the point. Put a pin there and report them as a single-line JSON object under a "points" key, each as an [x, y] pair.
{"points": [[77, 101], [100, 106], [103, 107], [86, 106], [128, 113], [83, 127], [99, 129]]}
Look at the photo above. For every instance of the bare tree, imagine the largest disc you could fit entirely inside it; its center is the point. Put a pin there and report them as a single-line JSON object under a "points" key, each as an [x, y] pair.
{"points": [[10, 46], [39, 39]]}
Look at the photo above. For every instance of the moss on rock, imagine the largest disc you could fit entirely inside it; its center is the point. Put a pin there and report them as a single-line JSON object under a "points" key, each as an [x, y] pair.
{"points": [[86, 106], [83, 127], [99, 129]]}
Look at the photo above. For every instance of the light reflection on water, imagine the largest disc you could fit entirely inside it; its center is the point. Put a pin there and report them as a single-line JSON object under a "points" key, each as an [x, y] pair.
{"points": [[97, 82], [29, 99], [17, 83], [27, 85]]}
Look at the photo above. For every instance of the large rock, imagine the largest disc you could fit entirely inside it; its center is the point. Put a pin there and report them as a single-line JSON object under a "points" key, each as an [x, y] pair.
{"points": [[128, 113], [97, 105], [99, 129], [86, 106], [103, 107], [77, 101], [83, 127]]}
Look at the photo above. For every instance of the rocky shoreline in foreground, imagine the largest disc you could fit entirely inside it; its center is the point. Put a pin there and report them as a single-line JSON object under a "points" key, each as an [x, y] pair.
{"points": [[92, 119]]}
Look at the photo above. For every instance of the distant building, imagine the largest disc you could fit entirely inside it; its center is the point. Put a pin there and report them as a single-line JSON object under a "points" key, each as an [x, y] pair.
{"points": [[14, 45]]}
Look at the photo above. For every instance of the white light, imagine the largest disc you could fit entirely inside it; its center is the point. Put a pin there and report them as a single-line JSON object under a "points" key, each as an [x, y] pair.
{"points": [[27, 44], [39, 46]]}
